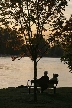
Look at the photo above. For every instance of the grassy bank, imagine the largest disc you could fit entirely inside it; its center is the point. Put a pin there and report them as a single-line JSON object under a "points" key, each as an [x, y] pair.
{"points": [[20, 98]]}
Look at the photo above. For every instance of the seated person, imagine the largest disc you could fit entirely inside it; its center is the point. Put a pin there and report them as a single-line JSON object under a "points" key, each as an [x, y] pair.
{"points": [[54, 80], [43, 81]]}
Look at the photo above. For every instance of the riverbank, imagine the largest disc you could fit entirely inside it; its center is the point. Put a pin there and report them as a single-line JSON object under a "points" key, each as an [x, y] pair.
{"points": [[20, 98]]}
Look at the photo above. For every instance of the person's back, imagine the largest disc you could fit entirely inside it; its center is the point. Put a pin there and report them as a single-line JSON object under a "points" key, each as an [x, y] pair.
{"points": [[43, 81], [54, 79]]}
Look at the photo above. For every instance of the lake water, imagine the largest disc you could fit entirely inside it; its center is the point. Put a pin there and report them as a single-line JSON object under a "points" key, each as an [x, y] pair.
{"points": [[18, 72]]}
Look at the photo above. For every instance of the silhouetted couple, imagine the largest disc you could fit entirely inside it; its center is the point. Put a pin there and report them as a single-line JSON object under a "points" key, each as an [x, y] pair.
{"points": [[44, 81]]}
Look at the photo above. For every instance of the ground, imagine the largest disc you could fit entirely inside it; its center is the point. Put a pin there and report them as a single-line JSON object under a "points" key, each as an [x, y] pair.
{"points": [[20, 98]]}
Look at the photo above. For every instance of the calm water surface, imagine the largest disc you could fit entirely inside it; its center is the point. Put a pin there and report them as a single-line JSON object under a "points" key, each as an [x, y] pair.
{"points": [[15, 73]]}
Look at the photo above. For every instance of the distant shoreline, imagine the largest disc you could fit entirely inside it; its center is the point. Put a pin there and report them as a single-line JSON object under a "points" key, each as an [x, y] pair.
{"points": [[27, 56]]}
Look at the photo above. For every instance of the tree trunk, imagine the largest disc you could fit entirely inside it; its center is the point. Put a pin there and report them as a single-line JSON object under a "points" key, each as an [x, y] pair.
{"points": [[35, 77]]}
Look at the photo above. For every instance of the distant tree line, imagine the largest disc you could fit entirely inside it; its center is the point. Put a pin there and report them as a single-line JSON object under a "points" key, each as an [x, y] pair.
{"points": [[13, 44], [55, 51], [10, 42]]}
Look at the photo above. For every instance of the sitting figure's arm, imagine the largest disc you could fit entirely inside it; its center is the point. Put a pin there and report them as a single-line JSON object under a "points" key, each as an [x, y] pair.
{"points": [[32, 81], [53, 81]]}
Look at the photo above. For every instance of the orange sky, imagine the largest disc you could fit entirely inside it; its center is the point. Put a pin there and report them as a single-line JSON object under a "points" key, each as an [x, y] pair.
{"points": [[67, 13]]}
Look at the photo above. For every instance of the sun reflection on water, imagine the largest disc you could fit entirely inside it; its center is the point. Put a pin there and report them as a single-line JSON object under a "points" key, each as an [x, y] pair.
{"points": [[15, 73]]}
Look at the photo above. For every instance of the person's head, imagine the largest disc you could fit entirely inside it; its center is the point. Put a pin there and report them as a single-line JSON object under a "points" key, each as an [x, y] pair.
{"points": [[55, 75], [45, 73]]}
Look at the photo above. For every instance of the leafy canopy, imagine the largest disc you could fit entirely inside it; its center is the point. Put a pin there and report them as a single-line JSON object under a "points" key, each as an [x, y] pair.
{"points": [[29, 15], [67, 43]]}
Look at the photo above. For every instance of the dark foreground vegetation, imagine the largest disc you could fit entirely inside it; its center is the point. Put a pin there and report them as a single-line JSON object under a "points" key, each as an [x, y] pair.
{"points": [[19, 98]]}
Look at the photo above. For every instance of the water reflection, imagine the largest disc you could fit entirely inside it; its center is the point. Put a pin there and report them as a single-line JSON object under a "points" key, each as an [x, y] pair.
{"points": [[15, 73]]}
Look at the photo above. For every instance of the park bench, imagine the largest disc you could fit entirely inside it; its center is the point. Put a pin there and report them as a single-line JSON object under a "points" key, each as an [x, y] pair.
{"points": [[52, 84]]}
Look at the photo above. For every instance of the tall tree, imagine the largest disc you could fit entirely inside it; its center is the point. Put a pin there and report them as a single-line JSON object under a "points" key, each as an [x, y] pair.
{"points": [[67, 43], [42, 15]]}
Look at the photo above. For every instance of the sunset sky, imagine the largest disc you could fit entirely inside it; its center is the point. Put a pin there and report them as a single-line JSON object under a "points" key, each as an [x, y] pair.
{"points": [[68, 11]]}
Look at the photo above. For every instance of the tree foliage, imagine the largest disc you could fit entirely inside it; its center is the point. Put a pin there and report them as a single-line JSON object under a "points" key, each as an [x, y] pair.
{"points": [[43, 15], [10, 41], [67, 43]]}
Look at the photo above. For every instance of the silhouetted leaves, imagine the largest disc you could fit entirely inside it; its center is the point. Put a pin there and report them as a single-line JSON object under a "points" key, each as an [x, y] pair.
{"points": [[10, 41], [43, 15]]}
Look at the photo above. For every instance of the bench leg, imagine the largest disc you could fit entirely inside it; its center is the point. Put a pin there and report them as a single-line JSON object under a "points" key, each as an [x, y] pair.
{"points": [[54, 90], [29, 90]]}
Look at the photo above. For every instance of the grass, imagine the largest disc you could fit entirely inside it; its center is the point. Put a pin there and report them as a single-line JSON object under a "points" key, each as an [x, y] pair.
{"points": [[20, 98]]}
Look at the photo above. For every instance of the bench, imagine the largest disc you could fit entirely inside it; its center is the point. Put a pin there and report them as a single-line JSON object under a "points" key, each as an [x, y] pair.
{"points": [[50, 87], [51, 84]]}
